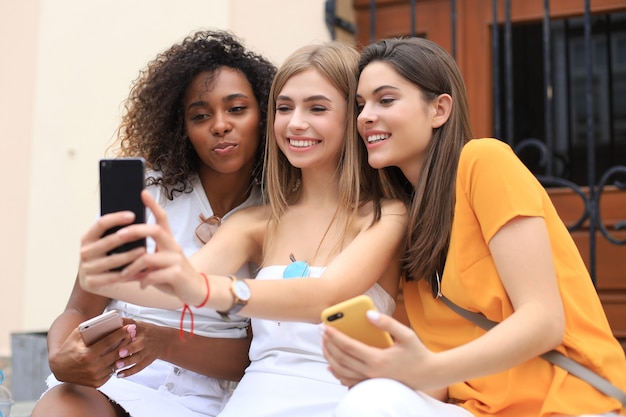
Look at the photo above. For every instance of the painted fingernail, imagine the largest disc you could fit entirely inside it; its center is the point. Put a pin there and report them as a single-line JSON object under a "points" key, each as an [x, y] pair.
{"points": [[132, 331], [373, 315], [123, 353], [119, 364]]}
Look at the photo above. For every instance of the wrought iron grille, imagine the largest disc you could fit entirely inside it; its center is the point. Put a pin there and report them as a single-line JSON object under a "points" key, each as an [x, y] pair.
{"points": [[573, 130]]}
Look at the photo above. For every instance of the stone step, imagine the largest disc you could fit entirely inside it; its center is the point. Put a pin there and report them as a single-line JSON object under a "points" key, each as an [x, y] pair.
{"points": [[22, 409]]}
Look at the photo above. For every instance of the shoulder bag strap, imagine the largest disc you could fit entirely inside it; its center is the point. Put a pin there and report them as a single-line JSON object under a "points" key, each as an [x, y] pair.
{"points": [[553, 356]]}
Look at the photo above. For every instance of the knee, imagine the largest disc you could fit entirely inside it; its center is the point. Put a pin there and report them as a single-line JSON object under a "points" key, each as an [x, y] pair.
{"points": [[371, 398], [68, 400]]}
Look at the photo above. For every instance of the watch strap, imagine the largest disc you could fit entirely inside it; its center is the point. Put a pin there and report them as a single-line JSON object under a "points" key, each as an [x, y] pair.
{"points": [[237, 304]]}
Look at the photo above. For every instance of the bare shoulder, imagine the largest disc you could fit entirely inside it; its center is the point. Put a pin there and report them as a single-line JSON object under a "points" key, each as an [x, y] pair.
{"points": [[251, 214], [246, 229], [392, 210], [391, 206], [250, 222]]}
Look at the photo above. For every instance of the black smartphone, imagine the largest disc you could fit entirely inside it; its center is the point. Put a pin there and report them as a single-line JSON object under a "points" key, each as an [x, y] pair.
{"points": [[121, 183]]}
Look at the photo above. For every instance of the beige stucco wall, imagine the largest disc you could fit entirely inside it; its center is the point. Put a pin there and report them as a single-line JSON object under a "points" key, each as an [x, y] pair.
{"points": [[66, 66]]}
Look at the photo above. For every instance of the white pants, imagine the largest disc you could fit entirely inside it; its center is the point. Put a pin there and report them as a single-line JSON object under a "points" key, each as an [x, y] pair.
{"points": [[390, 398], [163, 389]]}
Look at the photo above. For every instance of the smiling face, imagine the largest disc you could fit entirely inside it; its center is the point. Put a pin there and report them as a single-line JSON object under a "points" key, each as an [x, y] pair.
{"points": [[395, 121], [222, 120], [310, 120]]}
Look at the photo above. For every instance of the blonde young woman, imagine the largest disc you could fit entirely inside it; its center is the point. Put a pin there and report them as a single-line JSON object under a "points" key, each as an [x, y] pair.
{"points": [[326, 234]]}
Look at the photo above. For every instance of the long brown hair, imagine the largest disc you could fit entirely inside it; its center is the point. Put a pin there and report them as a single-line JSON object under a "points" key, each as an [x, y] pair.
{"points": [[434, 72]]}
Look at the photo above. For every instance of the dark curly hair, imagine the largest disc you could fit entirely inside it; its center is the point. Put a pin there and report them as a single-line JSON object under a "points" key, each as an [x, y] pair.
{"points": [[153, 124]]}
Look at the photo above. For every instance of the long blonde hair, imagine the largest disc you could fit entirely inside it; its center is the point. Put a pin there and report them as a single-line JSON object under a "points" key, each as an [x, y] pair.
{"points": [[358, 182]]}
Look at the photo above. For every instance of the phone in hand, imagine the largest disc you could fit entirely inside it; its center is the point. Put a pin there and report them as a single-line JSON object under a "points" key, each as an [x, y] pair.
{"points": [[350, 318], [97, 327], [121, 183]]}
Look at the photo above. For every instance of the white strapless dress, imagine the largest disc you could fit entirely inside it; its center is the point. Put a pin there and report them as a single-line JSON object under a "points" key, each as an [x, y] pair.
{"points": [[288, 375]]}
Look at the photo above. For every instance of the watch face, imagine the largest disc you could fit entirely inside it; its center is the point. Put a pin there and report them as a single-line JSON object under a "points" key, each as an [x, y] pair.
{"points": [[242, 290]]}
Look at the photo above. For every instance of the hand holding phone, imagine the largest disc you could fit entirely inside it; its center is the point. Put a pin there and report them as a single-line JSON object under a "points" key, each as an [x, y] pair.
{"points": [[98, 327], [349, 317]]}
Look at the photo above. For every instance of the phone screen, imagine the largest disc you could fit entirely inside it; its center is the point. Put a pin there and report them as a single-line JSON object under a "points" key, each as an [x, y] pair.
{"points": [[121, 183]]}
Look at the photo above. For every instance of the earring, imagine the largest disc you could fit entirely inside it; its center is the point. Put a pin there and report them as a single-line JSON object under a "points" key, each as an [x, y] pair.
{"points": [[435, 286]]}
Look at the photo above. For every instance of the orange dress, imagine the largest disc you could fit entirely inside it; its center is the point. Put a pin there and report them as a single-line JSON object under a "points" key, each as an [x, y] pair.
{"points": [[493, 187]]}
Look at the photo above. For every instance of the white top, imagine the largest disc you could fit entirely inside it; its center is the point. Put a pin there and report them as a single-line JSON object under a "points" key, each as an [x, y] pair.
{"points": [[288, 373], [183, 215], [163, 388]]}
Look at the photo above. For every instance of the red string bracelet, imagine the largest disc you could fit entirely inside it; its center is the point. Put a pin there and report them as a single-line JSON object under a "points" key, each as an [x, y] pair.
{"points": [[187, 309], [208, 291]]}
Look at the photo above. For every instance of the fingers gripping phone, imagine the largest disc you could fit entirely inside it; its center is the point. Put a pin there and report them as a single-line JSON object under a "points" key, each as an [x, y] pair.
{"points": [[350, 318], [121, 183], [97, 327]]}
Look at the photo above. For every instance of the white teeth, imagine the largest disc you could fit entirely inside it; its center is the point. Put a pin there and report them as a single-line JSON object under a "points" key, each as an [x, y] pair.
{"points": [[377, 138], [302, 143]]}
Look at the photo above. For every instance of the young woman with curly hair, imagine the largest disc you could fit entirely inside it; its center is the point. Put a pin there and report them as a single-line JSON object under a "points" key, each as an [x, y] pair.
{"points": [[197, 116]]}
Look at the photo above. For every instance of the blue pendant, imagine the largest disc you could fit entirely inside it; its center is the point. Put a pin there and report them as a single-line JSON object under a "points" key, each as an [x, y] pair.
{"points": [[296, 269]]}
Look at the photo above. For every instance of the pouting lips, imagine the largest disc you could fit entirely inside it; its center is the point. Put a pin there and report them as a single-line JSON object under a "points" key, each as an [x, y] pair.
{"points": [[225, 148], [224, 145]]}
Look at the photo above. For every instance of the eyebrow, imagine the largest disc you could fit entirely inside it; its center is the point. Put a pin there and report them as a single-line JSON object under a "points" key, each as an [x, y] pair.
{"points": [[379, 89], [226, 99], [306, 100], [234, 96]]}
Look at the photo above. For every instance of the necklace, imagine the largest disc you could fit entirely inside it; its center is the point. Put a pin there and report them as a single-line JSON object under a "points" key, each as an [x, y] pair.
{"points": [[208, 225], [296, 269], [300, 269]]}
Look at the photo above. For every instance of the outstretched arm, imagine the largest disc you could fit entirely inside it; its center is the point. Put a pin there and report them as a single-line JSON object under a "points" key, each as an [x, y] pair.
{"points": [[96, 271], [365, 261]]}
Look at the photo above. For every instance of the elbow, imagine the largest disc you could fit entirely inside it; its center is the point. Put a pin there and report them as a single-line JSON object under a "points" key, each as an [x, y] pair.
{"points": [[548, 327], [555, 331], [557, 334]]}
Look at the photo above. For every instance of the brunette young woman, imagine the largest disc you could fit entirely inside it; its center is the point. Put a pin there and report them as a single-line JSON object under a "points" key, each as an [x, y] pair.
{"points": [[327, 233], [197, 115], [483, 233]]}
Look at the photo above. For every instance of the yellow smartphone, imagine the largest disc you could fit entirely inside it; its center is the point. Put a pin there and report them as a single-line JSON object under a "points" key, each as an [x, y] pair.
{"points": [[349, 317]]}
